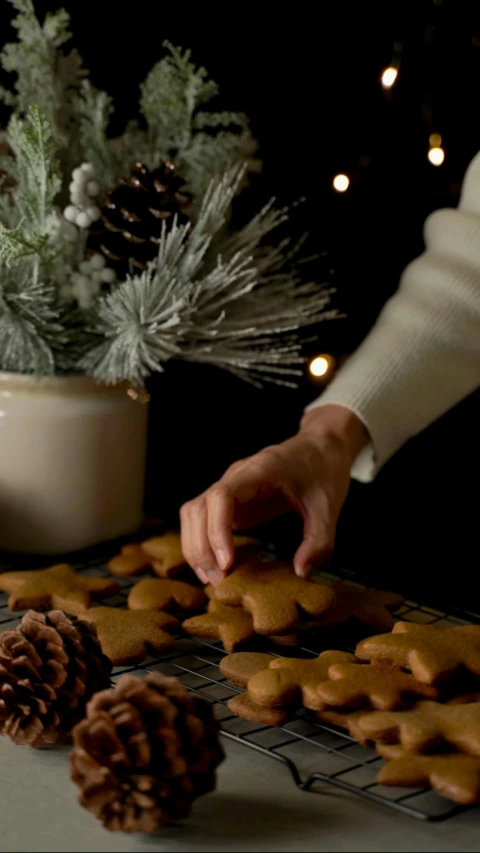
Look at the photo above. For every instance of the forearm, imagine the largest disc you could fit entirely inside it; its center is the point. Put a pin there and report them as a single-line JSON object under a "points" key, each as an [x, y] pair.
{"points": [[423, 354], [336, 424]]}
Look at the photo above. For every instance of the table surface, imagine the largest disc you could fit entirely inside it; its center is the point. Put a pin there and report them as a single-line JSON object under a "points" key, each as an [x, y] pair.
{"points": [[255, 808]]}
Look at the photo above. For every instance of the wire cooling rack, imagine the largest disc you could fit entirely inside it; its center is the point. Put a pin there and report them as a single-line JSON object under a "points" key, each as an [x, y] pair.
{"points": [[311, 751]]}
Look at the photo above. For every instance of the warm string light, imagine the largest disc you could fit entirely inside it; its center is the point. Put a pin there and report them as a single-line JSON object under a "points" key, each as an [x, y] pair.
{"points": [[341, 183], [436, 154], [321, 365], [389, 76]]}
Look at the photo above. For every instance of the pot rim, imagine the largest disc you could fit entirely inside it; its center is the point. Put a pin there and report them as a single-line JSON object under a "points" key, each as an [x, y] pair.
{"points": [[76, 384]]}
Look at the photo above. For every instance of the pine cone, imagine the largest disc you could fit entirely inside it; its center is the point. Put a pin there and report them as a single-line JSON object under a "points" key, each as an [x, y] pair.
{"points": [[144, 752], [130, 229], [50, 665]]}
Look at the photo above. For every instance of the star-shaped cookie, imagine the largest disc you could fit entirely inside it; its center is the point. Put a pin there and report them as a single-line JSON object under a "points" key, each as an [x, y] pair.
{"points": [[427, 725], [274, 595], [232, 625], [56, 588], [126, 637], [432, 655]]}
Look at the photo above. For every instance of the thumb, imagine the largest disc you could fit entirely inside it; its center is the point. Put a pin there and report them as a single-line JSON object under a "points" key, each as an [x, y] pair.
{"points": [[318, 539]]}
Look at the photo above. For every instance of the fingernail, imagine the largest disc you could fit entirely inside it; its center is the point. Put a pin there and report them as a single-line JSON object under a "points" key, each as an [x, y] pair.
{"points": [[214, 576], [304, 571], [222, 558], [201, 574]]}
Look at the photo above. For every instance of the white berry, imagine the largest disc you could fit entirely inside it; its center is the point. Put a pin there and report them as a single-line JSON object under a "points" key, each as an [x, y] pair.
{"points": [[108, 275], [70, 213], [97, 262], [84, 220], [88, 170], [78, 175], [94, 213], [85, 267], [92, 188], [97, 276]]}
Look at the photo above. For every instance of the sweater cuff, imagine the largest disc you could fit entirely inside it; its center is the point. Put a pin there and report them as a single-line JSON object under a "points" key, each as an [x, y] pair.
{"points": [[365, 466]]}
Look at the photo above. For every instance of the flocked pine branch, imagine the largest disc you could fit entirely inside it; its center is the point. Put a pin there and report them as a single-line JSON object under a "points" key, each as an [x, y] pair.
{"points": [[246, 316]]}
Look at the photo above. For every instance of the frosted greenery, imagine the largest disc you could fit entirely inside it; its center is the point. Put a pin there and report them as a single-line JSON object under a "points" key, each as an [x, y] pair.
{"points": [[230, 298]]}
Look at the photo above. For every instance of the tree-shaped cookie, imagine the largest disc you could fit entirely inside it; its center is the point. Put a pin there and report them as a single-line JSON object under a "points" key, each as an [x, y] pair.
{"points": [[127, 637], [291, 681], [56, 588], [455, 776], [369, 607], [274, 595], [432, 655], [427, 725], [376, 685], [163, 594]]}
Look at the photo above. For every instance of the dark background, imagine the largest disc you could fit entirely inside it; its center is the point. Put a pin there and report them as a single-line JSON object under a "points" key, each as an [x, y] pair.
{"points": [[308, 75]]}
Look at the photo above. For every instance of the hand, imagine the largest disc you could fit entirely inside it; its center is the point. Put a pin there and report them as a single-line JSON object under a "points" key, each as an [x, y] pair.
{"points": [[309, 473]]}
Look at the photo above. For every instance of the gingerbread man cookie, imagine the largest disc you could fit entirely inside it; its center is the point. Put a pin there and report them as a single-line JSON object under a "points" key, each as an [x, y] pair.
{"points": [[377, 685], [274, 595], [369, 607], [431, 654], [427, 725], [232, 625], [290, 681], [160, 594], [454, 776], [126, 637], [56, 588], [242, 706], [131, 561], [239, 667]]}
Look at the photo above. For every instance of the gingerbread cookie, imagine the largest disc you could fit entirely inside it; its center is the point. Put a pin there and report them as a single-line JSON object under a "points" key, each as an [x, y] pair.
{"points": [[242, 706], [291, 682], [239, 667], [427, 725], [454, 776], [376, 685], [159, 594], [431, 654], [131, 561], [344, 720], [56, 588], [126, 637], [274, 595], [165, 554], [232, 625], [369, 607]]}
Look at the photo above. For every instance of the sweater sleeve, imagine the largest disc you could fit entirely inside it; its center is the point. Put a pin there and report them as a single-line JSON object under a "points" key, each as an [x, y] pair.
{"points": [[423, 354]]}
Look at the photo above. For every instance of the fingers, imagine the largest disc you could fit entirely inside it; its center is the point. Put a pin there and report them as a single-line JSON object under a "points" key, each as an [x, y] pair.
{"points": [[195, 544], [318, 539], [220, 506]]}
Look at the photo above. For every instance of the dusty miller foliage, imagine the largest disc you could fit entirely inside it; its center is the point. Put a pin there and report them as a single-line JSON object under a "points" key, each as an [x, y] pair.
{"points": [[226, 298]]}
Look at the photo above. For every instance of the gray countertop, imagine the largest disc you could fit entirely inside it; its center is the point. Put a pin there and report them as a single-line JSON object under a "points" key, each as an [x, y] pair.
{"points": [[255, 808]]}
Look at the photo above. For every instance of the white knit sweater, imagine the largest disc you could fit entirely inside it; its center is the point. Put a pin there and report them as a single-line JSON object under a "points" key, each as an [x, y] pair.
{"points": [[423, 354]]}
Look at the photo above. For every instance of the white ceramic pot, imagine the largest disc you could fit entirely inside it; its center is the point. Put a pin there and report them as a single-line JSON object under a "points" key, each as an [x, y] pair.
{"points": [[72, 463]]}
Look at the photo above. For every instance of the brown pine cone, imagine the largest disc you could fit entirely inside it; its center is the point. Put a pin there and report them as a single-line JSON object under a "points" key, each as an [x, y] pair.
{"points": [[144, 752], [50, 665], [129, 232]]}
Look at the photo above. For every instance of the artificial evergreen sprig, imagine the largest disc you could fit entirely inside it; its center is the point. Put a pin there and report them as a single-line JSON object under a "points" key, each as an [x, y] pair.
{"points": [[232, 299]]}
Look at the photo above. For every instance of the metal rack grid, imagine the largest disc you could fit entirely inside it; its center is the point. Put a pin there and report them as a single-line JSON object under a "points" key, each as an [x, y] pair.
{"points": [[311, 751]]}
